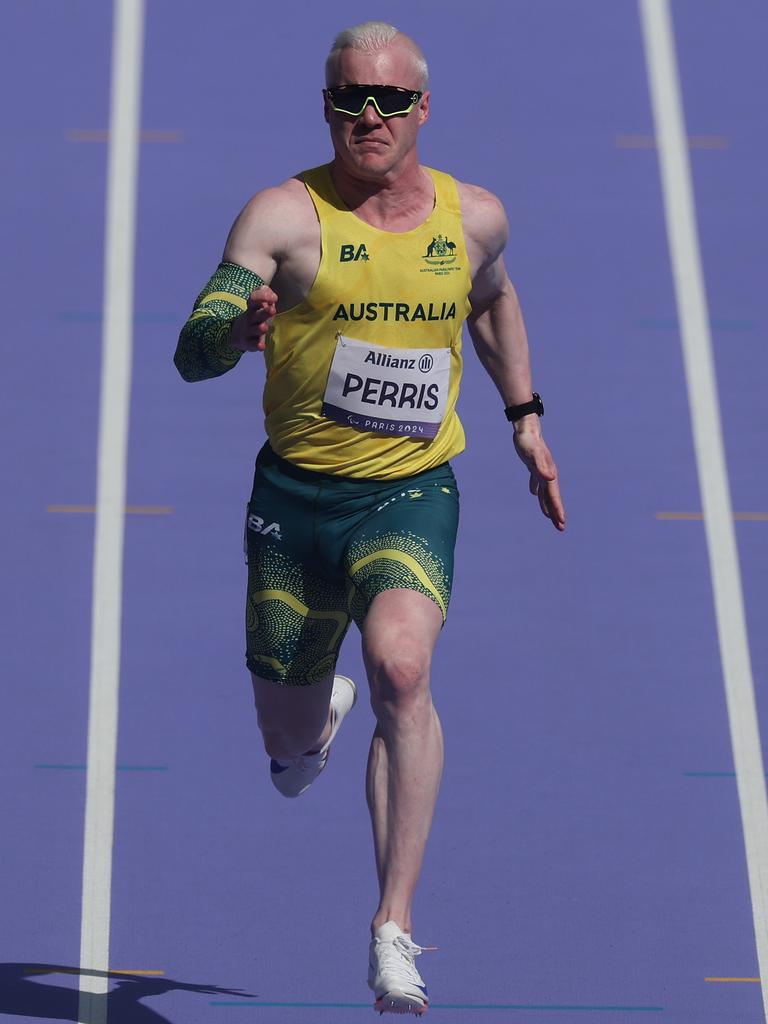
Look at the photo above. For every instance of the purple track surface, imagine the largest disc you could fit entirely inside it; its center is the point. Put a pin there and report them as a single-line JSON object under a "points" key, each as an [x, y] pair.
{"points": [[587, 861]]}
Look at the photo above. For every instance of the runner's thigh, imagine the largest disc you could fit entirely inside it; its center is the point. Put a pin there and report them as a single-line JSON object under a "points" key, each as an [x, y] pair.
{"points": [[296, 613], [407, 542]]}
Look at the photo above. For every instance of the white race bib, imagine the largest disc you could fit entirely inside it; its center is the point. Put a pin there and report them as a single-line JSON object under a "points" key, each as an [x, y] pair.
{"points": [[388, 390]]}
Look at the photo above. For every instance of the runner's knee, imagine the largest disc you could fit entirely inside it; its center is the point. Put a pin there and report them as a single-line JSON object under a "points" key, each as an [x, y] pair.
{"points": [[398, 678]]}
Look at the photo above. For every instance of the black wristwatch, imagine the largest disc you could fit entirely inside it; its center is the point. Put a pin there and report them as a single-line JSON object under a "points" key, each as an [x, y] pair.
{"points": [[516, 412]]}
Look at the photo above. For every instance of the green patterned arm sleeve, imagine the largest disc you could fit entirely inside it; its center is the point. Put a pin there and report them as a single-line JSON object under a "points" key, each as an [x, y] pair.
{"points": [[203, 350]]}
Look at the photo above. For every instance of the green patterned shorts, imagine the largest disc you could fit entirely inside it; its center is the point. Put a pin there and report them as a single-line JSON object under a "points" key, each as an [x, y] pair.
{"points": [[321, 547]]}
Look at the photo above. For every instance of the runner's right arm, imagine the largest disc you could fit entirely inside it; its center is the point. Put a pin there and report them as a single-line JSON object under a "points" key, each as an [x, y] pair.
{"points": [[231, 314]]}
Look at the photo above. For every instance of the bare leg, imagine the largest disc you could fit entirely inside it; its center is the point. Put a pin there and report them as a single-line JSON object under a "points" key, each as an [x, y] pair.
{"points": [[293, 719], [406, 757]]}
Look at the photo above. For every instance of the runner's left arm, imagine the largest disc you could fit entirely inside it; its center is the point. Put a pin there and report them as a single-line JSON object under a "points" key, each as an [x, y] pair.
{"points": [[498, 333]]}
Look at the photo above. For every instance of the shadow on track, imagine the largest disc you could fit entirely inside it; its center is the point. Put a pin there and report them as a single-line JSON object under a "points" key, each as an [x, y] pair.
{"points": [[22, 996]]}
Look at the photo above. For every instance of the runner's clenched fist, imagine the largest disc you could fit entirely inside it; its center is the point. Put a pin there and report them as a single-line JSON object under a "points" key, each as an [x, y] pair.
{"points": [[250, 328]]}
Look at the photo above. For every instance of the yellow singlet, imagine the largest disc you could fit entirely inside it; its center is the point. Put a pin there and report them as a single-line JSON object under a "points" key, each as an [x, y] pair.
{"points": [[389, 292]]}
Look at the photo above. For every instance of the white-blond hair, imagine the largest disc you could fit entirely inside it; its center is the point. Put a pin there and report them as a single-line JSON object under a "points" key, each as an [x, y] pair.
{"points": [[369, 37]]}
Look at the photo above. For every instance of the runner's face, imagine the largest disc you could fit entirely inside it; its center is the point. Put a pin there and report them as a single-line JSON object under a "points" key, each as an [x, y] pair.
{"points": [[370, 145]]}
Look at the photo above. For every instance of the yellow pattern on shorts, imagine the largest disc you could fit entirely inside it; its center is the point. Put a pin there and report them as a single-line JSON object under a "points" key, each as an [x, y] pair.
{"points": [[396, 560], [293, 632], [395, 289]]}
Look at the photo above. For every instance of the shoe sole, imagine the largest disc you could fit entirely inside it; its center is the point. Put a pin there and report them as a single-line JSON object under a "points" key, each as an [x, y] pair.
{"points": [[397, 1003]]}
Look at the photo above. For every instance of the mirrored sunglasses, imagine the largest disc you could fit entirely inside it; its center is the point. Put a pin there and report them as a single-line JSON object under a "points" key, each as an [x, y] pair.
{"points": [[389, 100]]}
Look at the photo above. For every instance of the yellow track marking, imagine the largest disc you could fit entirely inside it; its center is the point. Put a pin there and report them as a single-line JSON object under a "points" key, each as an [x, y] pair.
{"points": [[731, 979], [153, 974], [131, 510]]}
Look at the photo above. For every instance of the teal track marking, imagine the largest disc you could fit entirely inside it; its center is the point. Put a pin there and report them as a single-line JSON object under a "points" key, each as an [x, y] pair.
{"points": [[94, 316], [457, 1006], [63, 767], [119, 767], [711, 775]]}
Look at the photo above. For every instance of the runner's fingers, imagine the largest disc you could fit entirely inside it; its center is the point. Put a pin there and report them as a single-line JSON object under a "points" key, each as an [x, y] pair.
{"points": [[263, 311], [533, 483], [555, 505], [256, 337], [544, 464], [262, 294], [262, 306]]}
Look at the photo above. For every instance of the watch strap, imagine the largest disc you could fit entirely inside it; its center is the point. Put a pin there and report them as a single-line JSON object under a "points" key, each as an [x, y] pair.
{"points": [[516, 412]]}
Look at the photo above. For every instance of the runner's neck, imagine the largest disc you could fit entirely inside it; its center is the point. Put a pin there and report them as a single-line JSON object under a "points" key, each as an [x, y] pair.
{"points": [[398, 205]]}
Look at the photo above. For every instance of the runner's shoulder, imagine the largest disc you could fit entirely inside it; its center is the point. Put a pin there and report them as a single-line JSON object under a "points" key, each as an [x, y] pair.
{"points": [[278, 218], [483, 216]]}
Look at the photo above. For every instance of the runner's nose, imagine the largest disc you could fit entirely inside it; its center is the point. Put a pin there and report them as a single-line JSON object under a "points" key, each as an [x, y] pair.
{"points": [[370, 115]]}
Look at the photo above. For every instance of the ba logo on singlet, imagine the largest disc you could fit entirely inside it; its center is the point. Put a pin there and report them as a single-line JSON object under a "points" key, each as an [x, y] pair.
{"points": [[350, 253]]}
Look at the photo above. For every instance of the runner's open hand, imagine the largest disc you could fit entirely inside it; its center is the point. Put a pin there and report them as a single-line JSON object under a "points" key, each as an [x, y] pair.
{"points": [[250, 328], [533, 451]]}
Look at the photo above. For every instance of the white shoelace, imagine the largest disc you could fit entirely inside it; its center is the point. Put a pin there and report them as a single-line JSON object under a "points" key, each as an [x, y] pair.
{"points": [[399, 956]]}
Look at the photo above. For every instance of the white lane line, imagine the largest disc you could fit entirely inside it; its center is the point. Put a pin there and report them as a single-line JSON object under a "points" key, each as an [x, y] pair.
{"points": [[122, 172], [710, 458]]}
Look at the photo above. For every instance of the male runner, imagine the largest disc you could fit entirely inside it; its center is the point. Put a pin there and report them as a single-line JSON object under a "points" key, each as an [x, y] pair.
{"points": [[354, 278]]}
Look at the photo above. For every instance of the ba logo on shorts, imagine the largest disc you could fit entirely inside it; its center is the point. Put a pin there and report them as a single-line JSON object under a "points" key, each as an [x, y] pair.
{"points": [[350, 253], [256, 523]]}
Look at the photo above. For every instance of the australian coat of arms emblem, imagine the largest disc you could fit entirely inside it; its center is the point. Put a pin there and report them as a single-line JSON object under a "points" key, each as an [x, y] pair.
{"points": [[440, 251]]}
